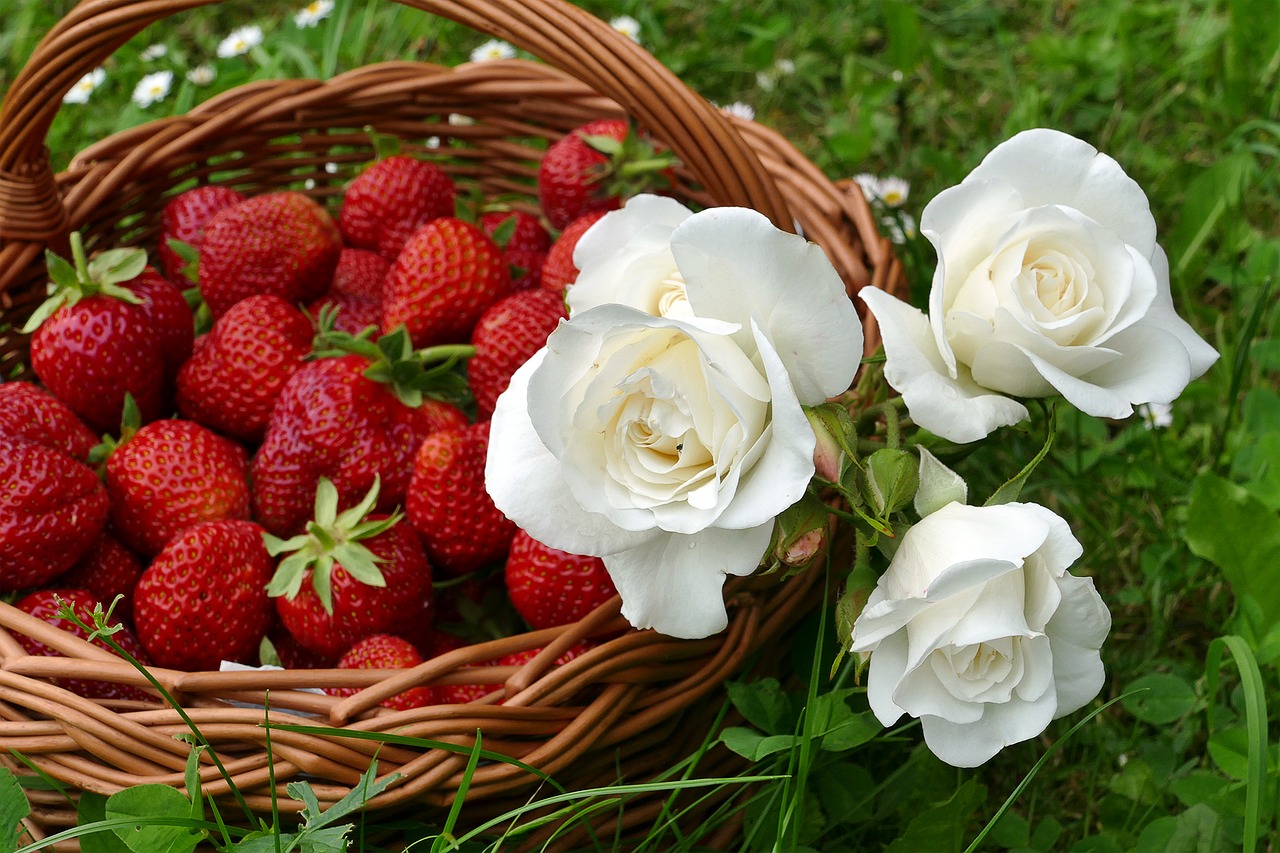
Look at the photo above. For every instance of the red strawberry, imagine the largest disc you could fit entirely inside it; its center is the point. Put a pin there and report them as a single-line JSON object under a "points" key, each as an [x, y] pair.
{"points": [[204, 597], [108, 569], [550, 587], [390, 200], [351, 575], [231, 384], [294, 656], [43, 604], [507, 336], [522, 658], [351, 314], [282, 243], [360, 273], [558, 270], [595, 166], [448, 505], [183, 219], [523, 241], [28, 411], [351, 418], [95, 340], [170, 317], [448, 273], [170, 475], [460, 694], [52, 508], [384, 651]]}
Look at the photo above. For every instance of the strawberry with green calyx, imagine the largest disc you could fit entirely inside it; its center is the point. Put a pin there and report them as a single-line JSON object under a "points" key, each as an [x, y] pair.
{"points": [[595, 166], [100, 335], [356, 413], [182, 222], [351, 574], [204, 598], [52, 509], [356, 291], [171, 474], [523, 241], [110, 571]]}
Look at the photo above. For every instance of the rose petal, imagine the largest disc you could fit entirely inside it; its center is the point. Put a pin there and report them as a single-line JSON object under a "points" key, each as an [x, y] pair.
{"points": [[525, 481], [1162, 315], [674, 583], [969, 745], [1050, 167], [738, 267], [888, 665], [955, 408], [1077, 632]]}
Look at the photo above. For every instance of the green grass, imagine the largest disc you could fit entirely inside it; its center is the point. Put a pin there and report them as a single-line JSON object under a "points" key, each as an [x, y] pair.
{"points": [[1179, 526]]}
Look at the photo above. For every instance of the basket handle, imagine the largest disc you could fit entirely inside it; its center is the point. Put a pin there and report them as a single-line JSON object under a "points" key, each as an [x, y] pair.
{"points": [[554, 30]]}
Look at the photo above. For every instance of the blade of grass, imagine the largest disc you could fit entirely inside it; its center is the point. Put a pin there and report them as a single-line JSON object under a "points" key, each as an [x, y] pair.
{"points": [[1255, 705], [455, 808]]}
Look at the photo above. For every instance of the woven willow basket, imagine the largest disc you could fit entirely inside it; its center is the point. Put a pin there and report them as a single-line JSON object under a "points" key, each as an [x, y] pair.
{"points": [[636, 702]]}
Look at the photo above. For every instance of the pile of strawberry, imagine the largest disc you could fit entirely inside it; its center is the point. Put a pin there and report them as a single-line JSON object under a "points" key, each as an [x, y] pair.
{"points": [[301, 479]]}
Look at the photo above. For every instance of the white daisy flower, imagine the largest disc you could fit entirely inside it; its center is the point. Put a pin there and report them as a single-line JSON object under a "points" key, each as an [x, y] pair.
{"points": [[155, 51], [201, 75], [459, 120], [784, 67], [869, 184], [331, 168], [433, 142], [493, 49], [152, 88], [894, 191], [738, 109], [81, 91], [313, 13], [309, 184], [899, 225], [628, 26], [240, 41], [1156, 415]]}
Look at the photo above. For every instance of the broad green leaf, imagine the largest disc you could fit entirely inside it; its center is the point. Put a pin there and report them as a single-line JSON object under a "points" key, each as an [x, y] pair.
{"points": [[1229, 749], [1164, 698], [846, 791], [1197, 830], [91, 809], [13, 808], [154, 801], [332, 839], [752, 745], [265, 842], [855, 731], [1103, 843], [1241, 536], [943, 827], [1012, 488], [764, 704]]}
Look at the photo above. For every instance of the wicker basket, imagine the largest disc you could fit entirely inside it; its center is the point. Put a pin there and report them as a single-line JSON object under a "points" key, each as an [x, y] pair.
{"points": [[638, 701]]}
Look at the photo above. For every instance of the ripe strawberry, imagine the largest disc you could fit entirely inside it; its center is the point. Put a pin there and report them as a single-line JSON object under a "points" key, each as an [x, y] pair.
{"points": [[559, 270], [350, 575], [356, 291], [293, 656], [550, 587], [108, 569], [170, 316], [448, 505], [384, 651], [52, 508], [444, 278], [390, 200], [171, 474], [595, 166], [351, 418], [183, 218], [231, 384], [351, 314], [507, 336], [95, 340], [282, 243], [204, 598], [28, 411], [523, 241], [43, 604]]}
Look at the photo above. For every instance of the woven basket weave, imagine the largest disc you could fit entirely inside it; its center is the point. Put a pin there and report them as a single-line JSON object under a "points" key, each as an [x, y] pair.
{"points": [[638, 701]]}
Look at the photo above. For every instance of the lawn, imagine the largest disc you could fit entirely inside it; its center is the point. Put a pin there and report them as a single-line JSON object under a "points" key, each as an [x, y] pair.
{"points": [[1179, 519]]}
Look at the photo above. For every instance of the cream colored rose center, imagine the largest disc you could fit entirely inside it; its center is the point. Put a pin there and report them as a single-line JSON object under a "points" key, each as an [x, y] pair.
{"points": [[672, 298]]}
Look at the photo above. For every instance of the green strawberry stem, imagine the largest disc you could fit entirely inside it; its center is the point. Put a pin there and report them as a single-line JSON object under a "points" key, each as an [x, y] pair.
{"points": [[332, 538], [411, 374], [71, 282], [130, 423]]}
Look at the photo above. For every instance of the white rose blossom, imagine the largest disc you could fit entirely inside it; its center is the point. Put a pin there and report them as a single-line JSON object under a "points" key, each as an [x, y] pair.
{"points": [[84, 87], [978, 629], [667, 445], [1049, 281]]}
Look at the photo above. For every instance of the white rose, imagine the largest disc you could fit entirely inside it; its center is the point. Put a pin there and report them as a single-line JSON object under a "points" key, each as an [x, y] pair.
{"points": [[977, 629], [668, 446], [625, 258], [1049, 281]]}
